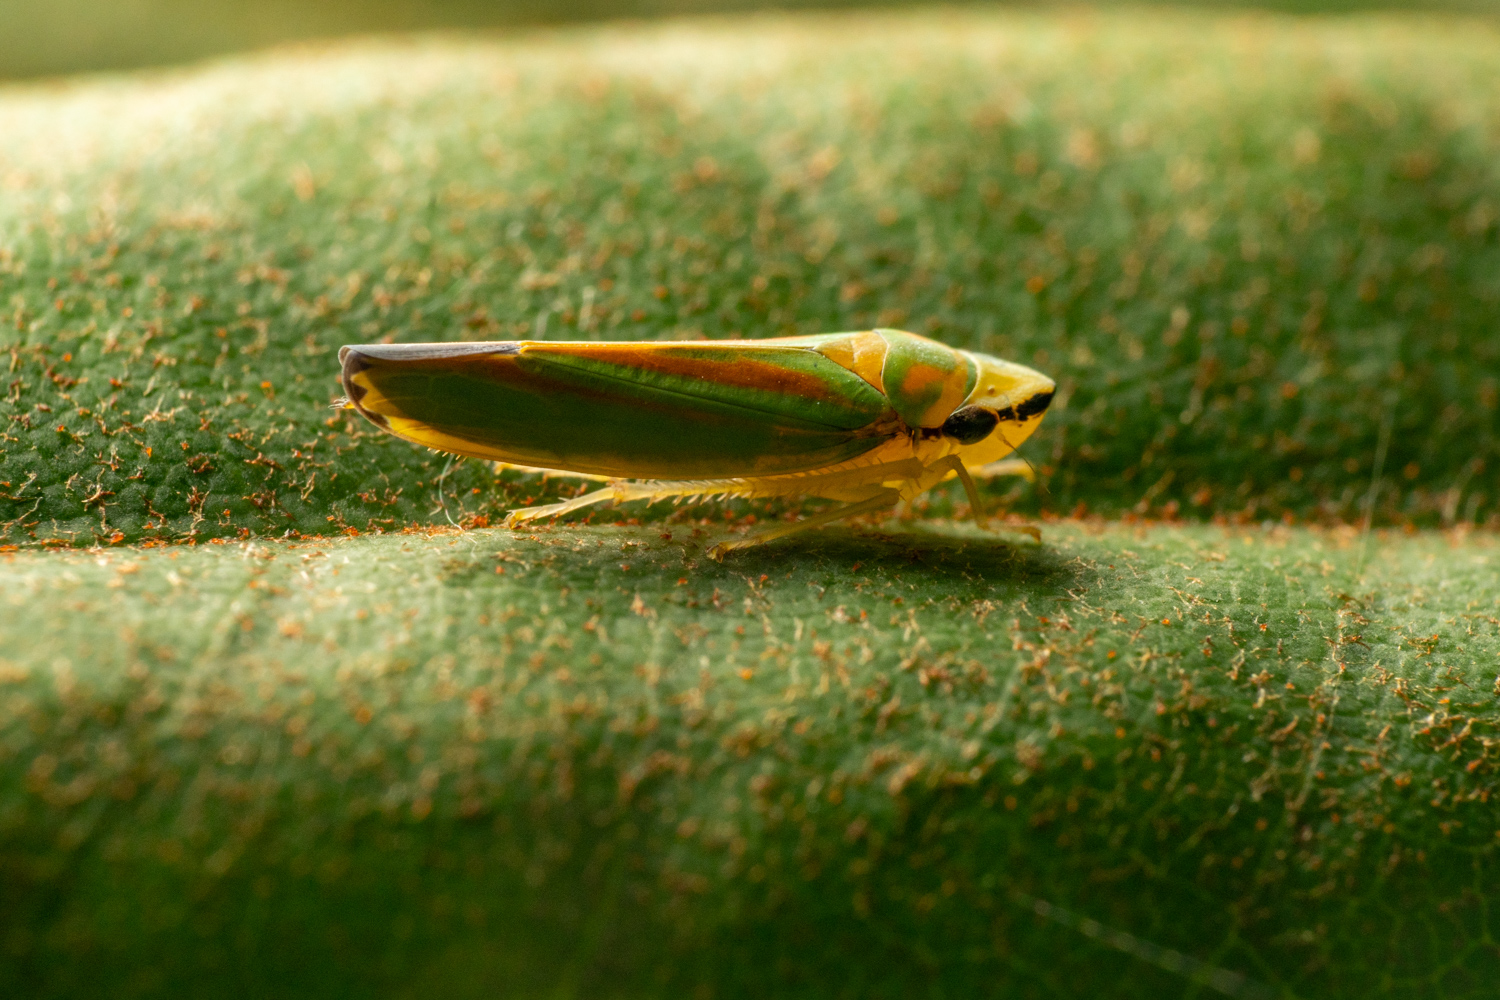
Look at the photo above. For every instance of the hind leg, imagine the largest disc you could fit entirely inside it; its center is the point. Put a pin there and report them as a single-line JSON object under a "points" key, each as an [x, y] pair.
{"points": [[620, 491], [519, 517]]}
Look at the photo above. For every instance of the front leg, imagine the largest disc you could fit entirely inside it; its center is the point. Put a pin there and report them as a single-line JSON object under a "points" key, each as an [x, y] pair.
{"points": [[953, 462]]}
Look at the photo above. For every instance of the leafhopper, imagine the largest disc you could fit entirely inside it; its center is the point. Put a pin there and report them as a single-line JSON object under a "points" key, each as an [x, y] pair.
{"points": [[865, 418]]}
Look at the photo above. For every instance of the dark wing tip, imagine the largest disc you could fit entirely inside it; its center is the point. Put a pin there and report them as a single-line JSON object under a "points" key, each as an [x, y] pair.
{"points": [[352, 359], [352, 362], [357, 358]]}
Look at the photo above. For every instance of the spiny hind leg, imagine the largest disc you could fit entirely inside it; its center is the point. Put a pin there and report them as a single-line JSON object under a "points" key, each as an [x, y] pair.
{"points": [[537, 470], [884, 498], [623, 492], [525, 514]]}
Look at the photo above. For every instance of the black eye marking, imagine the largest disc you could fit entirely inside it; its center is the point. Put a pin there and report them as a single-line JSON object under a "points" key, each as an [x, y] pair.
{"points": [[1036, 404], [970, 424], [1029, 407]]}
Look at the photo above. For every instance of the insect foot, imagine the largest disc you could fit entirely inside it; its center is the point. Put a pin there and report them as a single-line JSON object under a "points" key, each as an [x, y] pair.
{"points": [[526, 515], [719, 551]]}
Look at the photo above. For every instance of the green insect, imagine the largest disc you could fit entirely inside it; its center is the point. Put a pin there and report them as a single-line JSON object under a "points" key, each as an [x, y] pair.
{"points": [[867, 418]]}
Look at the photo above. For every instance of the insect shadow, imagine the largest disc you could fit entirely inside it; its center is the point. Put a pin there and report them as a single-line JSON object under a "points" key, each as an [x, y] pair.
{"points": [[916, 551], [926, 562]]}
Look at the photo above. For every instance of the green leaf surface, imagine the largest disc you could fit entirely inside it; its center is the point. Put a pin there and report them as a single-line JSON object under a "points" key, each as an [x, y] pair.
{"points": [[589, 761]]}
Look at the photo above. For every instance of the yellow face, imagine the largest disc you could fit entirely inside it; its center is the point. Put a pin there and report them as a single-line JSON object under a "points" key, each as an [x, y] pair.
{"points": [[1005, 407]]}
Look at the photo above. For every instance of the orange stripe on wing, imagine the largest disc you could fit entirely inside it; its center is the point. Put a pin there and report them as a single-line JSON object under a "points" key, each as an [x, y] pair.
{"points": [[735, 367]]}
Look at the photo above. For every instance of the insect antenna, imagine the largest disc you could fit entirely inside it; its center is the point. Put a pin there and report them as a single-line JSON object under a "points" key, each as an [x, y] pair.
{"points": [[1014, 451]]}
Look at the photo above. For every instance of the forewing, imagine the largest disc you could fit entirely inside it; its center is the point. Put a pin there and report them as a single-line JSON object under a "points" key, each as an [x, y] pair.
{"points": [[641, 410]]}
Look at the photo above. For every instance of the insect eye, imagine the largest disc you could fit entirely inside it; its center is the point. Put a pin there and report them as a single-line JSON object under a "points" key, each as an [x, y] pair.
{"points": [[970, 424]]}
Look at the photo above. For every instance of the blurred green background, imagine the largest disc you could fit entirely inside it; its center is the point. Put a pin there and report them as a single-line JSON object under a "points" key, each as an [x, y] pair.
{"points": [[72, 36]]}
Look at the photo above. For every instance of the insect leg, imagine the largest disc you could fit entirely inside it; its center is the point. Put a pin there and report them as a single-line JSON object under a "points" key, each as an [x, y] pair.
{"points": [[953, 462], [1006, 467], [525, 514], [548, 473], [623, 492], [884, 498]]}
